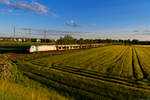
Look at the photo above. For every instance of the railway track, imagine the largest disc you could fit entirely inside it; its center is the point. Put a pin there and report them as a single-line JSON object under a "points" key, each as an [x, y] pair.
{"points": [[32, 54], [45, 52]]}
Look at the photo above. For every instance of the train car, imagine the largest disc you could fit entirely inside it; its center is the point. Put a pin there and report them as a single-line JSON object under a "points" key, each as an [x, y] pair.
{"points": [[67, 47], [40, 48]]}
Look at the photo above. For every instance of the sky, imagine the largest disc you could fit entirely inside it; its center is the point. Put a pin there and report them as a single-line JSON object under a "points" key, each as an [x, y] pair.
{"points": [[116, 19]]}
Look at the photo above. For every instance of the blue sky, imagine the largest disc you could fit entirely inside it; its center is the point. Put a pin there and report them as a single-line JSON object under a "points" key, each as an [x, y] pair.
{"points": [[100, 18]]}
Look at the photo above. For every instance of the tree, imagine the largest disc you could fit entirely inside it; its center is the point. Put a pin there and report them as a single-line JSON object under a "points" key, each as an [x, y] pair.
{"points": [[134, 41], [67, 39]]}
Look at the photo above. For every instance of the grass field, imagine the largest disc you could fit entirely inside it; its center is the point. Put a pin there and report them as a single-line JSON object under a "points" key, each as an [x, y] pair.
{"points": [[15, 86], [13, 91], [112, 72]]}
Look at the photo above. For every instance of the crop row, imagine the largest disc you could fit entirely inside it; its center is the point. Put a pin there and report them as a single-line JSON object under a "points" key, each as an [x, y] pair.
{"points": [[144, 56], [99, 72], [83, 82]]}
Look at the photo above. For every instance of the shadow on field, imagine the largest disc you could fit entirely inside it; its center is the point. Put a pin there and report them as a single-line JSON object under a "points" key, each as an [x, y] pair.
{"points": [[69, 93], [13, 49]]}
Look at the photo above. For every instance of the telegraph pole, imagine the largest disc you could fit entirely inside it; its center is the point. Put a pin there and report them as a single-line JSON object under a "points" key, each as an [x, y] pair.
{"points": [[45, 35], [14, 33], [30, 34]]}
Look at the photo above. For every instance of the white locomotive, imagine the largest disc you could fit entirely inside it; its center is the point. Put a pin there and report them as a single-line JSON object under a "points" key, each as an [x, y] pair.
{"points": [[41, 48]]}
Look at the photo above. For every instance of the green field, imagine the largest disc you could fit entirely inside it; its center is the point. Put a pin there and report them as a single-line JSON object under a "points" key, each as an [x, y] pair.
{"points": [[111, 72], [16, 86]]}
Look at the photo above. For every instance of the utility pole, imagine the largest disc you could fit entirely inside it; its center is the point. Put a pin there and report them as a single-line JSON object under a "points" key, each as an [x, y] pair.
{"points": [[14, 33], [30, 34], [45, 35]]}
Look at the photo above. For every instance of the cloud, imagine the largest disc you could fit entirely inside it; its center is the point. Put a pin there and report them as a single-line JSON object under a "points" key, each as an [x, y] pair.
{"points": [[15, 14], [5, 2], [27, 6], [141, 32], [138, 31], [5, 11], [53, 14], [72, 23], [93, 24]]}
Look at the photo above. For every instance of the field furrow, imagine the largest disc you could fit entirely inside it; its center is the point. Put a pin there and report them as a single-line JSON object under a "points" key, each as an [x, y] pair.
{"points": [[143, 56], [137, 72], [127, 70]]}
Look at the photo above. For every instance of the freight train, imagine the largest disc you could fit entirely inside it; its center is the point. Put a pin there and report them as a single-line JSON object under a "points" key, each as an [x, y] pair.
{"points": [[43, 48]]}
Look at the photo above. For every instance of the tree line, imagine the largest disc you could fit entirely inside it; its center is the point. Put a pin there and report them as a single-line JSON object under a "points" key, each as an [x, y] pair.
{"points": [[67, 39]]}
